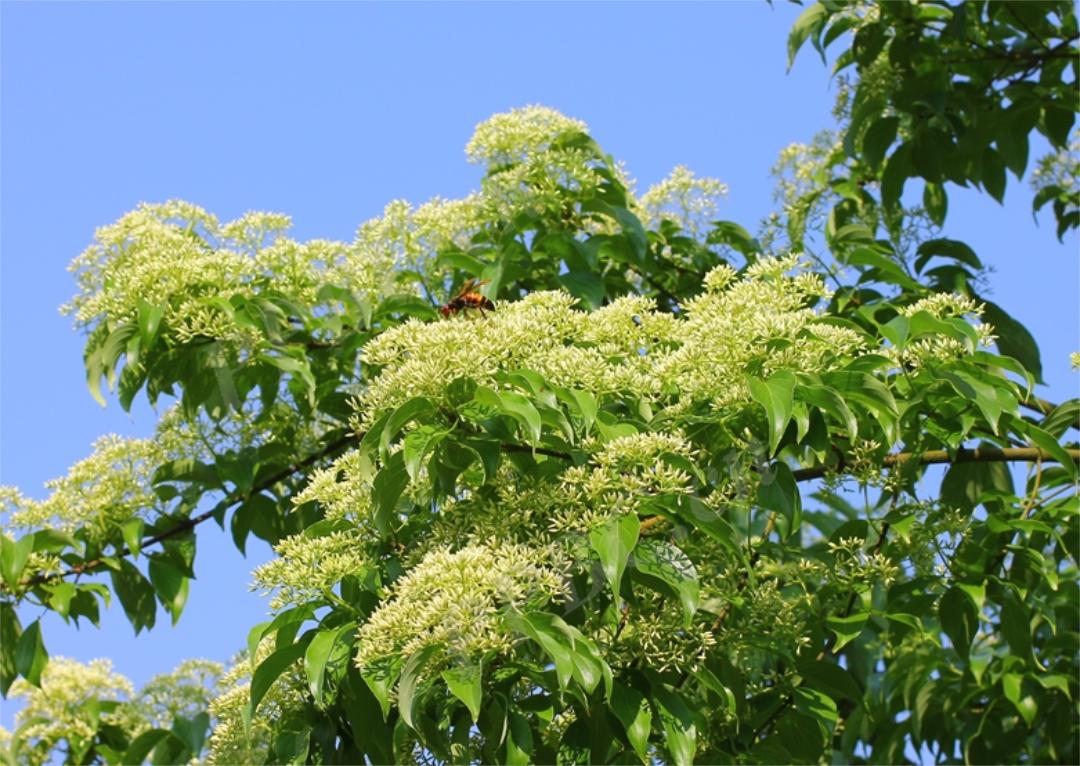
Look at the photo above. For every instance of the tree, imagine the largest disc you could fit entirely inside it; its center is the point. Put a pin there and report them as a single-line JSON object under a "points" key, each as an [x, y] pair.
{"points": [[557, 473]]}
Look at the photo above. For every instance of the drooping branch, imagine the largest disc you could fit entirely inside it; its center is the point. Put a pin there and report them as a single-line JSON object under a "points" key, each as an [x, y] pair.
{"points": [[232, 499], [193, 521]]}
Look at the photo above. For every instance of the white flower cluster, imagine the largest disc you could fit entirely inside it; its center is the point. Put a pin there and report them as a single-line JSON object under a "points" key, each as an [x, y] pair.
{"points": [[181, 255], [621, 477], [60, 708], [343, 490], [409, 237], [308, 567], [111, 486], [628, 346], [234, 740], [933, 348], [685, 199], [455, 601], [184, 693], [519, 134], [193, 264]]}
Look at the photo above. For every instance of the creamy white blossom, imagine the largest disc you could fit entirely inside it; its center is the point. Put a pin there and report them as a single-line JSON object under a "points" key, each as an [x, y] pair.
{"points": [[455, 601]]}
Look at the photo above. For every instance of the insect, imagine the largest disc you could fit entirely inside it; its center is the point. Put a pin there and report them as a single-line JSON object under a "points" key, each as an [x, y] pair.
{"points": [[468, 298]]}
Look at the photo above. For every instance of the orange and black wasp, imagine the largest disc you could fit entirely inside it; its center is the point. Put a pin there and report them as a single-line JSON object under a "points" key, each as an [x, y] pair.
{"points": [[468, 298]]}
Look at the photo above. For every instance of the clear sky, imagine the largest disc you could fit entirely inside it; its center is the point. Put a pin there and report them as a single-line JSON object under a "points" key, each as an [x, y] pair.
{"points": [[328, 111]]}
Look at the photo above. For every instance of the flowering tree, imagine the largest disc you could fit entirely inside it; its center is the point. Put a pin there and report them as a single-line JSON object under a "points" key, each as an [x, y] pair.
{"points": [[646, 488]]}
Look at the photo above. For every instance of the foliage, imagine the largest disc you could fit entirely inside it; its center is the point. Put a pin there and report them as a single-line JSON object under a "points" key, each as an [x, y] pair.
{"points": [[572, 528], [89, 713]]}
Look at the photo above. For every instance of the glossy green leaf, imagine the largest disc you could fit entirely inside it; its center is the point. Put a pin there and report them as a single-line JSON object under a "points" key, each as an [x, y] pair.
{"points": [[132, 532], [778, 492], [846, 629], [10, 630], [810, 22], [317, 655], [776, 396], [959, 619], [830, 678], [387, 489], [519, 740], [136, 595], [30, 654], [466, 683], [192, 731], [171, 587], [409, 683], [680, 729], [270, 669], [632, 709], [13, 557], [666, 568], [613, 543]]}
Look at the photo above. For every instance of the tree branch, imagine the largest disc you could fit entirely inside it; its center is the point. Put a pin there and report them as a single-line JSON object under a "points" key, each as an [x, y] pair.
{"points": [[193, 521], [931, 457]]}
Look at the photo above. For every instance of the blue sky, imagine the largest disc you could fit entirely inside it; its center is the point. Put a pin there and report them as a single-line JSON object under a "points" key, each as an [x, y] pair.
{"points": [[328, 111]]}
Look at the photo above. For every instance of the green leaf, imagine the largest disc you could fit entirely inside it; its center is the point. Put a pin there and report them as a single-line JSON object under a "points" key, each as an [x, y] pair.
{"points": [[10, 630], [678, 722], [810, 22], [171, 587], [1016, 626], [409, 411], [779, 492], [380, 687], [667, 569], [959, 619], [1055, 681], [1012, 338], [553, 635], [877, 140], [30, 654], [386, 490], [410, 681], [818, 706], [417, 445], [149, 321], [993, 174], [1048, 443], [317, 654], [847, 629], [13, 557], [519, 740], [897, 170], [613, 543], [1012, 684], [776, 395], [136, 595], [936, 202], [830, 678], [141, 746], [586, 285], [409, 305], [466, 683], [270, 669], [829, 401], [522, 410], [132, 532], [632, 709], [946, 248], [192, 731]]}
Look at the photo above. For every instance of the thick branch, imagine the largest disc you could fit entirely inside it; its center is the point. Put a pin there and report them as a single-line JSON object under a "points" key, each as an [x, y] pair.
{"points": [[931, 457]]}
